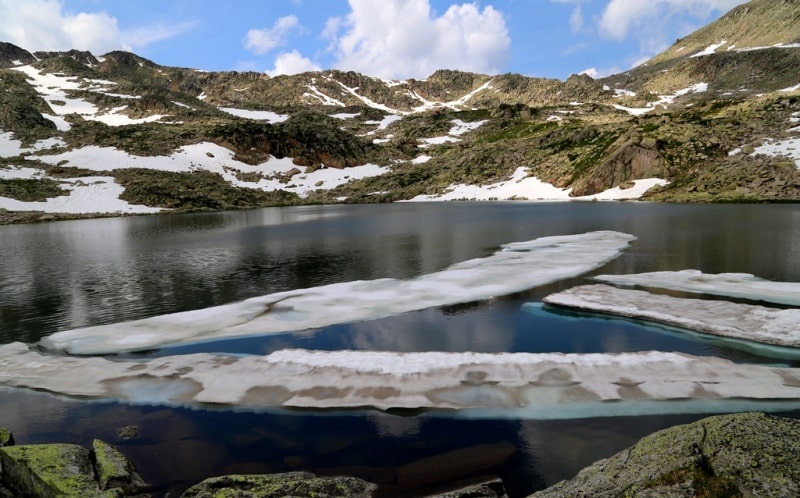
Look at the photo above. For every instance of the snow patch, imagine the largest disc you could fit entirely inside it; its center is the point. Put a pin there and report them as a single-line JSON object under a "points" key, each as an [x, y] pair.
{"points": [[710, 49], [523, 187], [268, 116]]}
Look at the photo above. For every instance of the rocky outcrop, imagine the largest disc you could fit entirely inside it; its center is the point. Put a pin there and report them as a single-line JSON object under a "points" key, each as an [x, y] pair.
{"points": [[6, 438], [750, 454], [11, 55]]}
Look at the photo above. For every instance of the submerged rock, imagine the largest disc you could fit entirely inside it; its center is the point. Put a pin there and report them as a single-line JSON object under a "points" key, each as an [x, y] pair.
{"points": [[296, 484], [749, 454]]}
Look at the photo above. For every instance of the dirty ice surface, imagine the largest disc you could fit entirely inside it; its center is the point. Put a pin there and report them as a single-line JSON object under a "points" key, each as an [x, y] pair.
{"points": [[523, 385], [516, 267], [723, 318], [736, 285]]}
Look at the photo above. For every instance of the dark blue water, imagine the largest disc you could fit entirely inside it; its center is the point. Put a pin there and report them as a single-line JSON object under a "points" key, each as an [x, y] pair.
{"points": [[70, 274]]}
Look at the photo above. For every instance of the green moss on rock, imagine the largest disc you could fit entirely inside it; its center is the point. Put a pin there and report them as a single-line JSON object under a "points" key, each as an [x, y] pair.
{"points": [[6, 438], [114, 470]]}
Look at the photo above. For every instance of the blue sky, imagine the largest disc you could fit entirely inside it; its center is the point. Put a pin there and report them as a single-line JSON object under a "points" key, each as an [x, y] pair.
{"points": [[386, 38]]}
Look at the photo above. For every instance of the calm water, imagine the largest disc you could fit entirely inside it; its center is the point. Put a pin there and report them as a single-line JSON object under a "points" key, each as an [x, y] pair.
{"points": [[70, 274]]}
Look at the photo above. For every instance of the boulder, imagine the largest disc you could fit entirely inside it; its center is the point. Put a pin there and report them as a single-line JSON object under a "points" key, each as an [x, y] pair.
{"points": [[295, 484], [116, 471], [50, 470], [750, 454]]}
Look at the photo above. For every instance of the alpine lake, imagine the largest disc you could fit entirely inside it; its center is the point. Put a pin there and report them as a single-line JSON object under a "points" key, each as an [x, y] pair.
{"points": [[64, 275]]}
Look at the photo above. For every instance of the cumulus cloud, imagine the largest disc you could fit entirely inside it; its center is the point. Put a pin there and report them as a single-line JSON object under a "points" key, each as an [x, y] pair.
{"points": [[405, 38], [261, 41], [292, 63], [620, 17], [42, 25]]}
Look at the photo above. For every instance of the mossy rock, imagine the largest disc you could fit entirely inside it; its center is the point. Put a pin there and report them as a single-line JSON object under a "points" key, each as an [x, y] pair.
{"points": [[50, 471], [750, 454], [114, 470], [6, 438], [295, 484]]}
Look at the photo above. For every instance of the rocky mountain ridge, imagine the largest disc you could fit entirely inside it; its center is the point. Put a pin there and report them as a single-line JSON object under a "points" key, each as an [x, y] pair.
{"points": [[698, 122]]}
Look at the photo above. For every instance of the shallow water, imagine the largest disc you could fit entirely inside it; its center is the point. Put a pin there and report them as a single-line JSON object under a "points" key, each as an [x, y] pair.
{"points": [[71, 274]]}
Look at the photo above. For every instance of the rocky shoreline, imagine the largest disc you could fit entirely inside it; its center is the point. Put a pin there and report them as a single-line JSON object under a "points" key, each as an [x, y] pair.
{"points": [[749, 454]]}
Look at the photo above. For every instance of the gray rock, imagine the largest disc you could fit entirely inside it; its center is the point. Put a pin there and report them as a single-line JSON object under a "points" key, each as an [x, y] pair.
{"points": [[290, 484], [750, 454]]}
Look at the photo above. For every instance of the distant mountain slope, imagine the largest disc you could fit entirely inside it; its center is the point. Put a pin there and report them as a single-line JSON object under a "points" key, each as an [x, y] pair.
{"points": [[756, 24], [118, 133]]}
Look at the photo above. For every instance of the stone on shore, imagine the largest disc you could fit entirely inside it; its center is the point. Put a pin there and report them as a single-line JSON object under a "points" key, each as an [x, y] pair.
{"points": [[749, 454], [295, 484]]}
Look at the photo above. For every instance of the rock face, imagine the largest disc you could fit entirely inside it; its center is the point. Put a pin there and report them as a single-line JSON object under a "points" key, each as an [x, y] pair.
{"points": [[750, 454]]}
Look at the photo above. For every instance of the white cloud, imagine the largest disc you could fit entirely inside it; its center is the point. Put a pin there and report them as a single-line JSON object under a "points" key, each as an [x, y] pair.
{"points": [[621, 17], [292, 63], [42, 25], [404, 38], [576, 19], [261, 41]]}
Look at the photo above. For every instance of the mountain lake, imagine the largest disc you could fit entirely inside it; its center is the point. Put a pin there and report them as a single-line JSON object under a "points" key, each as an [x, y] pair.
{"points": [[65, 275]]}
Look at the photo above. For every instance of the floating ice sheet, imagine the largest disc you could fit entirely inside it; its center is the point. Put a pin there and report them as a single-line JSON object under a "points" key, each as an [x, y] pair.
{"points": [[723, 318], [549, 385], [738, 285], [518, 266]]}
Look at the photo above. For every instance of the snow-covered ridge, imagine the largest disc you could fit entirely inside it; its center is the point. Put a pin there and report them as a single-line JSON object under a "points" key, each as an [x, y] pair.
{"points": [[543, 386], [723, 318], [514, 268]]}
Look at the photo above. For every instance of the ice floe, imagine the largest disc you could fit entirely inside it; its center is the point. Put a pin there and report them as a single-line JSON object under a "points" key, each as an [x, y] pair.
{"points": [[717, 317], [736, 285], [526, 385], [516, 267]]}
